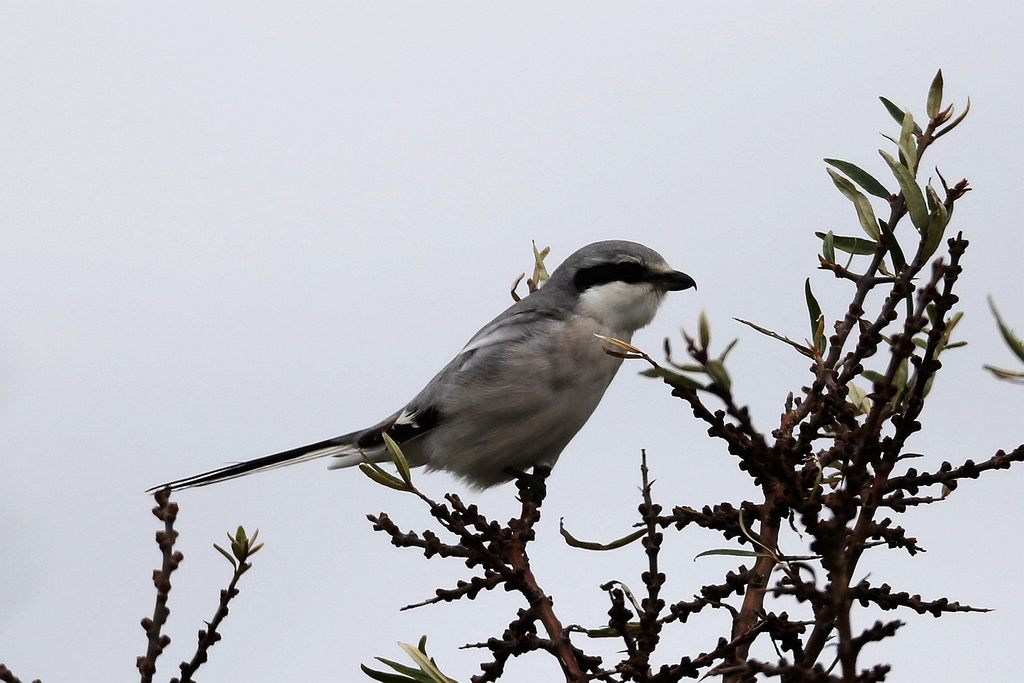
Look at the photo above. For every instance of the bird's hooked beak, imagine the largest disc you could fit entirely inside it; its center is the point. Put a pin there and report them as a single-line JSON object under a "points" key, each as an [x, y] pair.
{"points": [[672, 281]]}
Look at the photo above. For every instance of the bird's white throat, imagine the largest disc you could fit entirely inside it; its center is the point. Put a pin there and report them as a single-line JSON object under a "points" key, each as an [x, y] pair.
{"points": [[621, 305]]}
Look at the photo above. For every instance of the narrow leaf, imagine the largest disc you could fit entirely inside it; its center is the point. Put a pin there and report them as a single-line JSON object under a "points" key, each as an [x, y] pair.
{"points": [[373, 471], [426, 664], [591, 545], [812, 306], [897, 113], [728, 348], [609, 632], [872, 376], [912, 194], [410, 674], [819, 336], [398, 458], [935, 96], [1009, 375], [861, 177], [673, 379], [385, 677], [828, 247], [945, 186], [799, 347], [908, 143], [718, 374], [956, 121], [226, 554], [865, 213], [1011, 339], [703, 330], [937, 221], [899, 262], [851, 245], [732, 552], [899, 380]]}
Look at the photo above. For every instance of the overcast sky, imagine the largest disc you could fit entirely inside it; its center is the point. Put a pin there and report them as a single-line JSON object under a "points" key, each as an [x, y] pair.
{"points": [[231, 229]]}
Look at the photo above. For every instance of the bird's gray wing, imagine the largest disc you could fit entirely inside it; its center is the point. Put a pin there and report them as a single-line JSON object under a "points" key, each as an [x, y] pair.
{"points": [[477, 362]]}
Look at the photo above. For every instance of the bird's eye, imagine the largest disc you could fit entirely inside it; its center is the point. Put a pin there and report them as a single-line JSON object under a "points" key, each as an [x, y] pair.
{"points": [[623, 271]]}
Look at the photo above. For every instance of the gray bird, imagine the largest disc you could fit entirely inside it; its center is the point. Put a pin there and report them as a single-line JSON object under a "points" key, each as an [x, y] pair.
{"points": [[523, 385]]}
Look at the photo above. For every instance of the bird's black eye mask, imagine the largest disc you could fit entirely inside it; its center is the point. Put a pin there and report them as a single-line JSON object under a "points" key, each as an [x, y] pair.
{"points": [[630, 272]]}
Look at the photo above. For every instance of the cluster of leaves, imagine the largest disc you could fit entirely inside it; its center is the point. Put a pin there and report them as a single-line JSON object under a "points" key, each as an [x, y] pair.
{"points": [[834, 469]]}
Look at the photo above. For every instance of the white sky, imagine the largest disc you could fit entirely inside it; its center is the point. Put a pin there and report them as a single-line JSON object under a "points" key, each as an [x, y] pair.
{"points": [[227, 230]]}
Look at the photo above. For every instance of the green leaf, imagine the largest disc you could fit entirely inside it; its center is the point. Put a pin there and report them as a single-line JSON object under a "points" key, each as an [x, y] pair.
{"points": [[861, 177], [899, 262], [1009, 375], [865, 214], [416, 674], [912, 194], [728, 348], [718, 374], [897, 113], [732, 552], [426, 664], [935, 96], [899, 380], [398, 458], [828, 246], [851, 245], [813, 309], [945, 186], [609, 632], [872, 376], [908, 143], [374, 471], [591, 545], [226, 554], [673, 379], [956, 121], [238, 544], [1011, 339], [385, 677], [799, 347], [938, 219], [703, 330], [408, 672]]}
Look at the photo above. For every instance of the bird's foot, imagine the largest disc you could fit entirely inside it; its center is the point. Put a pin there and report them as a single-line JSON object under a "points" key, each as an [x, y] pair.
{"points": [[534, 482]]}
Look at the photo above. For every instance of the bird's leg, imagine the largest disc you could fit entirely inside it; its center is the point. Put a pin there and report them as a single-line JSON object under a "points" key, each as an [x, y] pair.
{"points": [[532, 481]]}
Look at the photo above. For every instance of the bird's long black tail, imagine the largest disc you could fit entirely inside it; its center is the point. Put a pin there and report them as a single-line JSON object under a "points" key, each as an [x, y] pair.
{"points": [[341, 445]]}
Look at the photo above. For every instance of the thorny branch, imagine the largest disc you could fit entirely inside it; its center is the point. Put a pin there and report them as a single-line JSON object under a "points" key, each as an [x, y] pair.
{"points": [[166, 511], [500, 553]]}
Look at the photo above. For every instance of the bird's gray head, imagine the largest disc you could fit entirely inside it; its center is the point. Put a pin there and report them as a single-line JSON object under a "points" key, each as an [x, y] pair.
{"points": [[620, 284]]}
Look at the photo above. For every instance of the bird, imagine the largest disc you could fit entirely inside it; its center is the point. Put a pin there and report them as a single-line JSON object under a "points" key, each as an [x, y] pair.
{"points": [[521, 388]]}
